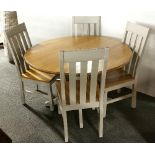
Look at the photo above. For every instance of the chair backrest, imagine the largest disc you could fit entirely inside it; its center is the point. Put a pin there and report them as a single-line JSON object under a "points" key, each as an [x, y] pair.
{"points": [[19, 42], [86, 26], [135, 36], [82, 62]]}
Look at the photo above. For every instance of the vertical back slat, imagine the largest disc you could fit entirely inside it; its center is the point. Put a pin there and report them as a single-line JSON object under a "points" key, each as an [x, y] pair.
{"points": [[83, 82], [28, 38], [138, 45], [14, 54], [135, 49], [22, 49], [89, 29], [83, 29], [129, 67], [93, 83], [95, 29], [103, 74], [130, 39], [19, 54], [62, 77], [137, 55], [92, 29], [133, 41], [124, 37], [72, 82], [24, 41], [73, 26], [20, 44]]}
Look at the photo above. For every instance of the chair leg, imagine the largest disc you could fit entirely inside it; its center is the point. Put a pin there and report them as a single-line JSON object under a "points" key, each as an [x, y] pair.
{"points": [[37, 87], [80, 118], [101, 122], [64, 115], [134, 95], [59, 111], [104, 105], [50, 95], [22, 92]]}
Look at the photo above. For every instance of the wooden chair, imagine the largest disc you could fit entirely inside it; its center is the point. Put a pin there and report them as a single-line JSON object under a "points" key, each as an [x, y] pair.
{"points": [[86, 26], [19, 42], [76, 91], [135, 36]]}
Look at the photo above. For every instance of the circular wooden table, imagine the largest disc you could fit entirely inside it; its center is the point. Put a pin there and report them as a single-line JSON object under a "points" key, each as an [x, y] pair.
{"points": [[45, 56]]}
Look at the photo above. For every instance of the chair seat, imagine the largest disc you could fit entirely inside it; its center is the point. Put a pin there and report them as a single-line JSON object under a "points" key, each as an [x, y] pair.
{"points": [[36, 75], [116, 78], [58, 85]]}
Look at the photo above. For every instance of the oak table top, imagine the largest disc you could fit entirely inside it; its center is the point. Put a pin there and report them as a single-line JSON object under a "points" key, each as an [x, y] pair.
{"points": [[45, 56]]}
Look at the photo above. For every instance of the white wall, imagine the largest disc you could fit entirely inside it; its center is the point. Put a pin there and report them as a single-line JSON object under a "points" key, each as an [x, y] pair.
{"points": [[45, 26]]}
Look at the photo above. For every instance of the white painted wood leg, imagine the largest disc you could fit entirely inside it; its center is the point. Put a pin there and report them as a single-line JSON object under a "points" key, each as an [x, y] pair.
{"points": [[50, 97], [134, 95], [64, 115], [104, 105], [80, 118], [22, 92], [59, 111], [101, 122]]}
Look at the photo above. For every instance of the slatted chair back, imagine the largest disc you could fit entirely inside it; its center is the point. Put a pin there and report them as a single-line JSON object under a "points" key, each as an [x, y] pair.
{"points": [[86, 26], [135, 36], [81, 63], [19, 42]]}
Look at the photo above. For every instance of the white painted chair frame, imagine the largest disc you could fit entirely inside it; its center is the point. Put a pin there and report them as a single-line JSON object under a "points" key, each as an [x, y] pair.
{"points": [[135, 36], [86, 26], [19, 42], [96, 56]]}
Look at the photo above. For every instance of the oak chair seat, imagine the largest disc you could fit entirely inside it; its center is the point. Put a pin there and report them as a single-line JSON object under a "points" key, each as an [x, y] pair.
{"points": [[36, 75], [117, 78], [58, 86]]}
